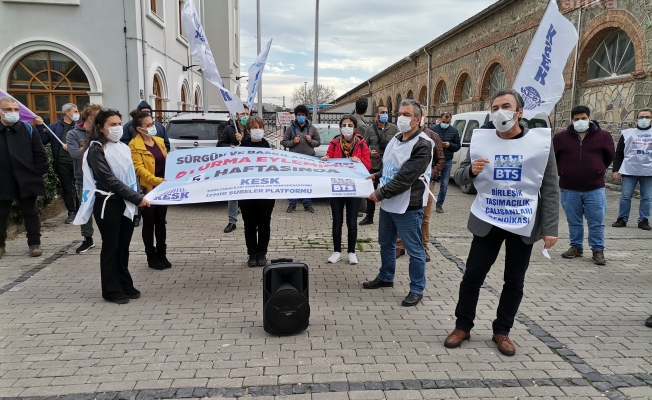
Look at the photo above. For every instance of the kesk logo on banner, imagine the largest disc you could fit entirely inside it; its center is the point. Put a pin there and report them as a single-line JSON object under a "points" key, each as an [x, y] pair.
{"points": [[218, 174], [256, 73], [540, 79], [201, 53], [508, 188]]}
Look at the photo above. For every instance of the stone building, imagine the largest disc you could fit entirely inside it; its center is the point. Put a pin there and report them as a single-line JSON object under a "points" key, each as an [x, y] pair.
{"points": [[460, 70]]}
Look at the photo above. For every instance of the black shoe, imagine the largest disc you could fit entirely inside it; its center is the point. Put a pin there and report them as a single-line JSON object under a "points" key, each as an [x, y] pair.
{"points": [[291, 208], [648, 322], [161, 254], [377, 283], [134, 295], [412, 300], [309, 208], [439, 210], [645, 225], [120, 301], [252, 261], [360, 215], [152, 259], [367, 221], [86, 245], [620, 223], [137, 220], [229, 228], [71, 217], [262, 260]]}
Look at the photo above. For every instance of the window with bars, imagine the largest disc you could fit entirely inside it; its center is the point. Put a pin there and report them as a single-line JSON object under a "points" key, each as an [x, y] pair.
{"points": [[467, 89], [614, 57], [497, 80]]}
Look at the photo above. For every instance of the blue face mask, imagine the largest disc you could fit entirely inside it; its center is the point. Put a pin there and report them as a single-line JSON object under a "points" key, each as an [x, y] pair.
{"points": [[383, 118], [301, 119], [444, 126]]}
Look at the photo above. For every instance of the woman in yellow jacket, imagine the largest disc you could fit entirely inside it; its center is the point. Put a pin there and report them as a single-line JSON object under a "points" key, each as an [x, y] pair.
{"points": [[148, 153]]}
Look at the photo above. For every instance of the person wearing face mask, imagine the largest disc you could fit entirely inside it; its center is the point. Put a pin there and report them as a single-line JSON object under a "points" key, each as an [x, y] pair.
{"points": [[633, 164], [129, 133], [148, 154], [583, 152], [257, 213], [233, 136], [489, 232], [111, 195], [23, 162], [61, 159], [402, 194], [450, 138], [301, 137], [77, 141], [377, 137], [348, 144]]}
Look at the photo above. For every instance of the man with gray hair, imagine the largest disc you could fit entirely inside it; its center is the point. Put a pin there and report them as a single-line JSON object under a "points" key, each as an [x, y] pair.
{"points": [[62, 161], [23, 163]]}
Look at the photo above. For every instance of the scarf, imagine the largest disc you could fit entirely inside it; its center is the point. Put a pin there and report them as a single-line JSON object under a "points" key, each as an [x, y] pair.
{"points": [[347, 147]]}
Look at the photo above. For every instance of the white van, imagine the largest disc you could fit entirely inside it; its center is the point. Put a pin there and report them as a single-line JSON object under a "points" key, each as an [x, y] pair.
{"points": [[467, 122], [188, 131]]}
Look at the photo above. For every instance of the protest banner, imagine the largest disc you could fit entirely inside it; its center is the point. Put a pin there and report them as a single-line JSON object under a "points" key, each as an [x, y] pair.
{"points": [[284, 118], [218, 174]]}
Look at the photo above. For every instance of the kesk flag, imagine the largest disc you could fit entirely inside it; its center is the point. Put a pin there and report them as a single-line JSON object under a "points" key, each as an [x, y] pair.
{"points": [[221, 173], [540, 79], [256, 72], [26, 115], [201, 53]]}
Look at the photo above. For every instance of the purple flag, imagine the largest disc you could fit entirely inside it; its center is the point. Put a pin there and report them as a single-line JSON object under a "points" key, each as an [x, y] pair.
{"points": [[26, 115]]}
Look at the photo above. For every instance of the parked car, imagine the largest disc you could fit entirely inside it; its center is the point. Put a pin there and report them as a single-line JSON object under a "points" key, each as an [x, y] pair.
{"points": [[467, 122], [188, 131]]}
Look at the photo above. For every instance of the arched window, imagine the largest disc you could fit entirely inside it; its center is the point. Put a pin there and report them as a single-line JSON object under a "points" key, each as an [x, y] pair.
{"points": [[197, 99], [184, 97], [44, 81], [389, 106], [410, 95], [497, 80], [422, 95], [443, 93], [614, 57], [399, 99], [467, 89]]}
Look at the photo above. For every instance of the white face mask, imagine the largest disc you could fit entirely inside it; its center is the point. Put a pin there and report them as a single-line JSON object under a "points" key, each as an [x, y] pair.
{"points": [[403, 123], [12, 117], [75, 117], [644, 123], [151, 131], [257, 134], [347, 131], [503, 120], [581, 125], [115, 133]]}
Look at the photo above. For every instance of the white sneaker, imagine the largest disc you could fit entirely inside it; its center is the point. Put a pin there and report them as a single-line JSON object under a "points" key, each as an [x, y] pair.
{"points": [[353, 259], [334, 258]]}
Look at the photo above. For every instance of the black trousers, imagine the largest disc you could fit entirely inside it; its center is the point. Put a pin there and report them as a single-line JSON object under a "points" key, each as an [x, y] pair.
{"points": [[483, 254], [31, 219], [154, 224], [116, 230], [257, 217], [337, 208], [66, 174], [371, 205]]}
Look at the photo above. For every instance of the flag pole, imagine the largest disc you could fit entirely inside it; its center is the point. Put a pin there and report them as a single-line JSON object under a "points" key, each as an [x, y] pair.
{"points": [[260, 80], [53, 135], [203, 73], [315, 84]]}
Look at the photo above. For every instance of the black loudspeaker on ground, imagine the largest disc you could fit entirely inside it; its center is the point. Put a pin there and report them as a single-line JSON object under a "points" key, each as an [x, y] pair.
{"points": [[286, 309]]}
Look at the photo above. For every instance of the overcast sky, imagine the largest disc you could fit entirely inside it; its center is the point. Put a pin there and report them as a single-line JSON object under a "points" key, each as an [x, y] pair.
{"points": [[357, 38]]}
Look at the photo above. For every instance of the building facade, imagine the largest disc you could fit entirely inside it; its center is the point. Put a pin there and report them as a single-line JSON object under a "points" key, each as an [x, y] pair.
{"points": [[460, 70], [114, 53]]}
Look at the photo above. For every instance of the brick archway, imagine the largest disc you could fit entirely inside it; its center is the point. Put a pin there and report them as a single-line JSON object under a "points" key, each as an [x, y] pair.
{"points": [[493, 61], [422, 95], [436, 94], [459, 84]]}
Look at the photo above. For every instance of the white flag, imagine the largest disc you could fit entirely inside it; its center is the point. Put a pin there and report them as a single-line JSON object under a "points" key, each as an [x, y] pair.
{"points": [[256, 72], [540, 79], [201, 53]]}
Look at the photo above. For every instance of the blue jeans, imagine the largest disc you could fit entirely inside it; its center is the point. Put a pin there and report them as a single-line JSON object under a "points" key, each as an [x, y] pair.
{"points": [[306, 202], [593, 206], [628, 186], [443, 184], [407, 225], [233, 211]]}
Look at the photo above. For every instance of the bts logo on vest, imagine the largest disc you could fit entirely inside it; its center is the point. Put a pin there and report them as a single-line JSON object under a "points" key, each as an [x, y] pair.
{"points": [[508, 167]]}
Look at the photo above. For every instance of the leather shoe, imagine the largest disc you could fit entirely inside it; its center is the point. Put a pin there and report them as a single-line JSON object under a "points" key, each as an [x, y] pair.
{"points": [[366, 221], [505, 345], [229, 228], [648, 322], [252, 261], [427, 255], [598, 258], [399, 252], [456, 338], [377, 283], [411, 300], [573, 252]]}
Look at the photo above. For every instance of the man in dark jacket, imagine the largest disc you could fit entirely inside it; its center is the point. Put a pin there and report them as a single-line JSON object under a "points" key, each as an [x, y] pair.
{"points": [[583, 153], [361, 106], [23, 162], [128, 130], [450, 138], [62, 161]]}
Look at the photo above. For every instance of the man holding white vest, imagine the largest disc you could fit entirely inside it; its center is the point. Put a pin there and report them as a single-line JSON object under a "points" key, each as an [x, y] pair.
{"points": [[508, 208], [402, 194], [633, 164]]}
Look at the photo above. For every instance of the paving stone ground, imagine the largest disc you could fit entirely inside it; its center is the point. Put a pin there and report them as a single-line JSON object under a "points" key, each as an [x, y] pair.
{"points": [[197, 329]]}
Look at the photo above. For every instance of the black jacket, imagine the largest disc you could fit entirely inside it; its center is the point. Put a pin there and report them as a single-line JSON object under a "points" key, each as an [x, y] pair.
{"points": [[620, 151], [105, 180], [23, 162], [226, 138], [450, 135]]}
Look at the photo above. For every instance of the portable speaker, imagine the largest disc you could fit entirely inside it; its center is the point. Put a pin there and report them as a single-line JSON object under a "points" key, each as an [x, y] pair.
{"points": [[285, 297]]}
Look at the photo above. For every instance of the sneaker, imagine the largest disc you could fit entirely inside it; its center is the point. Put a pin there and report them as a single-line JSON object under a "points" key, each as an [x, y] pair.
{"points": [[367, 221], [35, 251], [645, 225], [334, 258], [86, 245], [620, 223], [71, 217], [439, 209], [353, 259], [309, 208], [2, 251], [291, 208]]}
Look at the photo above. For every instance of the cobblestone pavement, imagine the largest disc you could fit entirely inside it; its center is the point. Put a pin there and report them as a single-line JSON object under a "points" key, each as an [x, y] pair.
{"points": [[197, 329]]}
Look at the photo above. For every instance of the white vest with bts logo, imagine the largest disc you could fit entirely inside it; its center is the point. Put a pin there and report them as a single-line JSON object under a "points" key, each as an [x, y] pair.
{"points": [[638, 152]]}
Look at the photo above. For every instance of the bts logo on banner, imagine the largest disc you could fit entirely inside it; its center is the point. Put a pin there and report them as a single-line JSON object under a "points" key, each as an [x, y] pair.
{"points": [[339, 185], [508, 168]]}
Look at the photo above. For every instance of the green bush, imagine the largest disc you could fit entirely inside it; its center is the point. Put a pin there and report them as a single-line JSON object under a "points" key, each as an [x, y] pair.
{"points": [[52, 190]]}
